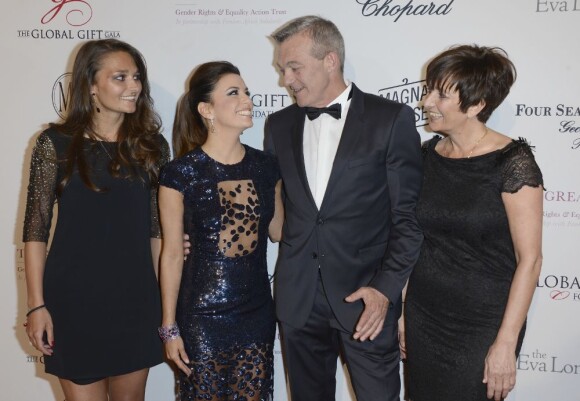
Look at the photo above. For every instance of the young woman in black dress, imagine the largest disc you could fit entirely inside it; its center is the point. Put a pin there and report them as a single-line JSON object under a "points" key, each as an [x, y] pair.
{"points": [[94, 300]]}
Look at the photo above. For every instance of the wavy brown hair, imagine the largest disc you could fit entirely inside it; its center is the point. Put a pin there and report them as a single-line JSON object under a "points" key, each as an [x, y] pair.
{"points": [[189, 127], [138, 144]]}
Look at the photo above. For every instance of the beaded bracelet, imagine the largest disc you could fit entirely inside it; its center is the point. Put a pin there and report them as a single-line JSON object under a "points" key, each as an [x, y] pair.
{"points": [[35, 309], [168, 333]]}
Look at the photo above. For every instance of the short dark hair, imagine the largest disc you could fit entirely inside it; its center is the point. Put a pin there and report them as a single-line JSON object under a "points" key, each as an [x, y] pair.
{"points": [[478, 73], [325, 36]]}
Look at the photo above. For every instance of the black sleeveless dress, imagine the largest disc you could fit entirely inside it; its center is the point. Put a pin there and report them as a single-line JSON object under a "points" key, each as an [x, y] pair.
{"points": [[99, 283], [225, 310], [458, 292]]}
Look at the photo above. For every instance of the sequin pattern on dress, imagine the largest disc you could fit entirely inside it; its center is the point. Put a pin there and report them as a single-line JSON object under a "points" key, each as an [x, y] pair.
{"points": [[225, 310], [41, 190]]}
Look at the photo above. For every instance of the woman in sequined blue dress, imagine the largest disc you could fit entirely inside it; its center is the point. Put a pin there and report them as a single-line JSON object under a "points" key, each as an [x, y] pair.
{"points": [[218, 313]]}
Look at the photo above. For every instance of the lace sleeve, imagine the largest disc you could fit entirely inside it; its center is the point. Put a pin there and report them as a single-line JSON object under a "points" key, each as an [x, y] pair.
{"points": [[520, 168], [165, 156], [41, 191]]}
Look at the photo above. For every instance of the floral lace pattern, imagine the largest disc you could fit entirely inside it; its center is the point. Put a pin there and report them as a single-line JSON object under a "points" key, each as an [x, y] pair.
{"points": [[240, 374]]}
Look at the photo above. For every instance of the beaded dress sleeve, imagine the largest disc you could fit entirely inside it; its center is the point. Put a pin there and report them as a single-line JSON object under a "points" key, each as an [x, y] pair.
{"points": [[176, 174], [41, 190], [164, 159]]}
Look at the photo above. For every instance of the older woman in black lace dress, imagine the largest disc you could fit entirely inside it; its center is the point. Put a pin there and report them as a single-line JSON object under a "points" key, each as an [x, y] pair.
{"points": [[481, 212]]}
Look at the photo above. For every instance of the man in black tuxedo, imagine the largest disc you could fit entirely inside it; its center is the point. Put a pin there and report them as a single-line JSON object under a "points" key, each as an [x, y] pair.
{"points": [[352, 174]]}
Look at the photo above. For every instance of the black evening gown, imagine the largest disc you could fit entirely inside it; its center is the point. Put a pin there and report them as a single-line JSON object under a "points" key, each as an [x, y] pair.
{"points": [[99, 283], [225, 310], [458, 291]]}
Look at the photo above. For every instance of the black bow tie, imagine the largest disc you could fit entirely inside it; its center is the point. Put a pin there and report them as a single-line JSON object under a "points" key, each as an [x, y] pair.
{"points": [[314, 112]]}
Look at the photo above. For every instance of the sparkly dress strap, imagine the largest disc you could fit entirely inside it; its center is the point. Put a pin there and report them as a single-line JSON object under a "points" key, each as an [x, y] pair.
{"points": [[164, 159], [41, 190]]}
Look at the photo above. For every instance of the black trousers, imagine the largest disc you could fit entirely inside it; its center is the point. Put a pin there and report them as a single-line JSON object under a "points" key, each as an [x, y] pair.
{"points": [[311, 353]]}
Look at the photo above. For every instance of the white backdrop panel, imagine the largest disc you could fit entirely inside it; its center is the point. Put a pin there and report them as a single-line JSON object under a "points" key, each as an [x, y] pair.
{"points": [[388, 43]]}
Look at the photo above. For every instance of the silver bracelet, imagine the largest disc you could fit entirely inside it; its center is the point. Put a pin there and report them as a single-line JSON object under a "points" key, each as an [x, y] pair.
{"points": [[168, 333]]}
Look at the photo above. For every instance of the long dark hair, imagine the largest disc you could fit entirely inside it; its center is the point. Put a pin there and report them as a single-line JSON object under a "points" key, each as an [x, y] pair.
{"points": [[138, 146], [189, 128]]}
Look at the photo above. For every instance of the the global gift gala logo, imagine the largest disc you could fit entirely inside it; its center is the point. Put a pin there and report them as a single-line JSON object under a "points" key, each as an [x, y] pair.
{"points": [[75, 12]]}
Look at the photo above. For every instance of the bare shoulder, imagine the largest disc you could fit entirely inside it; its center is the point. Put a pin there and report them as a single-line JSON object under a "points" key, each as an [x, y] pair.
{"points": [[498, 140]]}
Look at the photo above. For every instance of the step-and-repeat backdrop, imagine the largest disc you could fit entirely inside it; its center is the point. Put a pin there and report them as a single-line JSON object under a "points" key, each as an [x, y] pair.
{"points": [[388, 43]]}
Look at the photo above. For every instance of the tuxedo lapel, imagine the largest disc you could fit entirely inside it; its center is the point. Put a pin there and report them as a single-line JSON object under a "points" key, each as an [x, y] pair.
{"points": [[298, 150], [350, 133]]}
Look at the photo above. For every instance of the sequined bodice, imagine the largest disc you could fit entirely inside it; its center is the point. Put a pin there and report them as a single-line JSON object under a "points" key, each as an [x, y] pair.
{"points": [[225, 310], [227, 210]]}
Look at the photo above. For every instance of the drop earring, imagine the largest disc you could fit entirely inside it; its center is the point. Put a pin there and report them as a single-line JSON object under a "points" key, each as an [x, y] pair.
{"points": [[95, 103], [212, 126]]}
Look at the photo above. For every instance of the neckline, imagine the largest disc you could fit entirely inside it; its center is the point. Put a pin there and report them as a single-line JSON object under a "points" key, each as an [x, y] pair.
{"points": [[224, 164], [99, 140], [484, 155]]}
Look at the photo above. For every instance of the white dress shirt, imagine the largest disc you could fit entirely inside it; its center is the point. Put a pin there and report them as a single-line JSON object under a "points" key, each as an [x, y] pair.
{"points": [[320, 142]]}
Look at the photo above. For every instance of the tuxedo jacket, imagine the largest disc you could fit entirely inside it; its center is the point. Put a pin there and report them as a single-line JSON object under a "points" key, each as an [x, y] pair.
{"points": [[366, 232]]}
